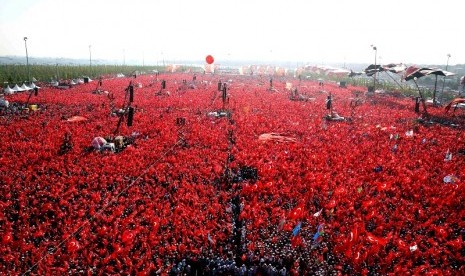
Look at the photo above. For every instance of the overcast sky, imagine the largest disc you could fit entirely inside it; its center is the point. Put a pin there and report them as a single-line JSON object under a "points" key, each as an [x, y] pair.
{"points": [[320, 32]]}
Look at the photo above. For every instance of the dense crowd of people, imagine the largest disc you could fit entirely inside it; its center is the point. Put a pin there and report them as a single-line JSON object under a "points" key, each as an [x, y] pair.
{"points": [[381, 192]]}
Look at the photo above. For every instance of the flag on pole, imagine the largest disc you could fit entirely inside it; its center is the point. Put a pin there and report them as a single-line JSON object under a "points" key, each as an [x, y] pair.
{"points": [[296, 230], [319, 232], [210, 239]]}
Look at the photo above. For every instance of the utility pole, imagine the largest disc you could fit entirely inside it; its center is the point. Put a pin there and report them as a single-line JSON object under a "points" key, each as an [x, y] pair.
{"points": [[90, 60], [27, 61], [374, 75], [444, 79]]}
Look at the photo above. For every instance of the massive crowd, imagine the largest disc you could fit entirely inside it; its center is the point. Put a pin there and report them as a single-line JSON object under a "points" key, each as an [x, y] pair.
{"points": [[379, 192]]}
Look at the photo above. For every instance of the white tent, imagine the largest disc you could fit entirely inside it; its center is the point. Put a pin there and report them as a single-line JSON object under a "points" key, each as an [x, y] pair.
{"points": [[54, 83], [73, 82], [17, 88], [25, 87], [8, 90], [33, 85]]}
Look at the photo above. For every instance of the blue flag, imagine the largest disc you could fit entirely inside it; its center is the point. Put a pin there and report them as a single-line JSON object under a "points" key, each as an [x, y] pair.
{"points": [[318, 233], [296, 230]]}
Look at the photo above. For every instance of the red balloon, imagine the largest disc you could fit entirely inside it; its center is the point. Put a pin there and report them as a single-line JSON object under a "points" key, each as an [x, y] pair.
{"points": [[209, 59]]}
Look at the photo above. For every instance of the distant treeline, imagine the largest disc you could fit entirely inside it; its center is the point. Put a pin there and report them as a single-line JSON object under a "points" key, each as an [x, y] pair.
{"points": [[16, 73]]}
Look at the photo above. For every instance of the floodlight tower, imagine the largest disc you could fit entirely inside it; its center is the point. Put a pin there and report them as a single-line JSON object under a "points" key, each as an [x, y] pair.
{"points": [[444, 79], [27, 61], [90, 60], [374, 75]]}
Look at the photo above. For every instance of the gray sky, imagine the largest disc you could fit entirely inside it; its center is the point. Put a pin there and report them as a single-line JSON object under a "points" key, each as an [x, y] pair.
{"points": [[408, 31]]}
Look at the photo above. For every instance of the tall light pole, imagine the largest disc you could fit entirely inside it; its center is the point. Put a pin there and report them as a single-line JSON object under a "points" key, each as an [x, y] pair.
{"points": [[56, 67], [27, 61], [374, 75], [90, 60], [444, 79]]}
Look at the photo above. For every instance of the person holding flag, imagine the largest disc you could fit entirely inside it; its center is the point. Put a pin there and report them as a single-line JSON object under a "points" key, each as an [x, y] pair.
{"points": [[319, 233], [296, 239], [296, 229], [329, 105]]}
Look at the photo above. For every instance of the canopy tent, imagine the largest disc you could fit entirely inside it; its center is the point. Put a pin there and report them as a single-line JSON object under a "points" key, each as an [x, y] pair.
{"points": [[16, 88], [391, 67], [395, 68], [420, 72], [372, 69], [413, 73], [8, 90], [33, 85], [25, 87]]}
